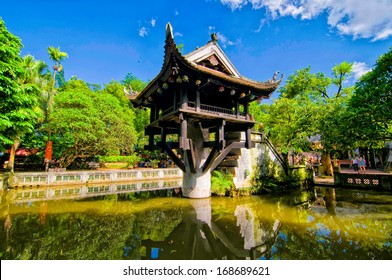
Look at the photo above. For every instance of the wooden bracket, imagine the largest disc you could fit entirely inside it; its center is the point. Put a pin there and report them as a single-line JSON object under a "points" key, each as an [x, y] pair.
{"points": [[174, 157]]}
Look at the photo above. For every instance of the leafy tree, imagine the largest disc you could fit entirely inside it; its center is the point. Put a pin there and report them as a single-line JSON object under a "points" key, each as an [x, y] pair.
{"points": [[369, 108], [142, 114], [87, 123], [136, 84], [19, 97], [56, 55], [309, 105], [116, 89]]}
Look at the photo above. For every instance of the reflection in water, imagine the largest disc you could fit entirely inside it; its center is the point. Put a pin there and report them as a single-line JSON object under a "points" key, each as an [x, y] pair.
{"points": [[327, 224]]}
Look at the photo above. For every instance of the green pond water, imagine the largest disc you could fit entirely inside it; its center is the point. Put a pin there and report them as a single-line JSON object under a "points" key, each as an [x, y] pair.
{"points": [[325, 223]]}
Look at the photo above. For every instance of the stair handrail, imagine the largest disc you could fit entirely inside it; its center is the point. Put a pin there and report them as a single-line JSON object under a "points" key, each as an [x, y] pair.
{"points": [[275, 152]]}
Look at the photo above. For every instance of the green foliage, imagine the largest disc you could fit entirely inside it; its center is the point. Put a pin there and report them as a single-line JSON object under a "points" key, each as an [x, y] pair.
{"points": [[369, 109], [136, 84], [221, 183], [56, 55], [87, 123], [131, 160], [309, 105], [116, 89], [19, 97], [142, 116]]}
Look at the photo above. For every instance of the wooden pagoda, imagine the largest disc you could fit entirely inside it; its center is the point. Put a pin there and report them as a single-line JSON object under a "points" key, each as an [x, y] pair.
{"points": [[199, 99]]}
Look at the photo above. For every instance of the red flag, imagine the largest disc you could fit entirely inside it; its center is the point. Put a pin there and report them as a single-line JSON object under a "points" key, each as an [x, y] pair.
{"points": [[49, 150]]}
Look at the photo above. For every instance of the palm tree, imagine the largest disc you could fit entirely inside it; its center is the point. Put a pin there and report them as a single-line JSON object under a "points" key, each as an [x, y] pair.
{"points": [[56, 55]]}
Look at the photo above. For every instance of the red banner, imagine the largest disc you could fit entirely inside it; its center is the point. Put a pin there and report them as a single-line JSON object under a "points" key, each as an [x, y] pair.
{"points": [[48, 151]]}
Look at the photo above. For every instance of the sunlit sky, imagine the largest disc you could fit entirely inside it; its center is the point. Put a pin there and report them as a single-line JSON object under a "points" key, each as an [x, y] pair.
{"points": [[105, 40]]}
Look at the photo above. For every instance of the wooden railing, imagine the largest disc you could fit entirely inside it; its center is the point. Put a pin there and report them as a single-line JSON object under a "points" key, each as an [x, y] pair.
{"points": [[215, 110]]}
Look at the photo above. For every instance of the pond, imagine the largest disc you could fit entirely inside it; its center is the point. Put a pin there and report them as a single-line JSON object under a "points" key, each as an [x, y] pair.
{"points": [[325, 223]]}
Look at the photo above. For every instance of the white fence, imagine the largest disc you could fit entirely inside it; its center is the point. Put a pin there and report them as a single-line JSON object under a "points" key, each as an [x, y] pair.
{"points": [[29, 179]]}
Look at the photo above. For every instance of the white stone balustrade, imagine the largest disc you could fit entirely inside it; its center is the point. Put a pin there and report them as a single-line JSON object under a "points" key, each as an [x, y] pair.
{"points": [[30, 179]]}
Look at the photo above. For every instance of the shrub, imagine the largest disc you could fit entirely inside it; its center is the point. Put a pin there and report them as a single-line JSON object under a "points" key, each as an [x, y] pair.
{"points": [[221, 183], [130, 160]]}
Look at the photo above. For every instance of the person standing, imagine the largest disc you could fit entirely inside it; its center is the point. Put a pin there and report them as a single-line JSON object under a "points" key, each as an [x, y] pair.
{"points": [[355, 163], [362, 164]]}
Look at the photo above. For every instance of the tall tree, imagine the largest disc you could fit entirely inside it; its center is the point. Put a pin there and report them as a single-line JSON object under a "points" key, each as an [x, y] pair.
{"points": [[309, 105], [56, 55], [130, 82], [370, 107], [19, 98]]}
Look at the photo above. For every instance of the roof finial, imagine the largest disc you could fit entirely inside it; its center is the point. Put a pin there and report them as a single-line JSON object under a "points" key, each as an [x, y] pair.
{"points": [[169, 30], [214, 37]]}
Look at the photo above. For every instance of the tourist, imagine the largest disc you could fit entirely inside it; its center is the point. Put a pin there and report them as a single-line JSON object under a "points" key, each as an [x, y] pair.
{"points": [[162, 164], [362, 164], [355, 163]]}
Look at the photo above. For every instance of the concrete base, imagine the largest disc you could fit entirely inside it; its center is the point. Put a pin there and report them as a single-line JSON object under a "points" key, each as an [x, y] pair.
{"points": [[196, 185]]}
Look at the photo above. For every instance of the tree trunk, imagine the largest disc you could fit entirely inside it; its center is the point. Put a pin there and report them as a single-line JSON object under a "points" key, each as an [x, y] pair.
{"points": [[327, 165], [11, 161]]}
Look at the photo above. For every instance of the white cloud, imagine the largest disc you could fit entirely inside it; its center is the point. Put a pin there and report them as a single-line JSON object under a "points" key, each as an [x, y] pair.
{"points": [[222, 39], [178, 34], [263, 21], [176, 12], [143, 32], [360, 19], [359, 69], [235, 4], [153, 22]]}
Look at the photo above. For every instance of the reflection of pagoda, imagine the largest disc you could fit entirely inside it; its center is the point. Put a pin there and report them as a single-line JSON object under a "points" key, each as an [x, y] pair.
{"points": [[199, 98], [202, 236]]}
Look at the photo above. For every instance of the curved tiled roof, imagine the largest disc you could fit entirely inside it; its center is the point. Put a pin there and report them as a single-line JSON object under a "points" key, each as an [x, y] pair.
{"points": [[172, 55]]}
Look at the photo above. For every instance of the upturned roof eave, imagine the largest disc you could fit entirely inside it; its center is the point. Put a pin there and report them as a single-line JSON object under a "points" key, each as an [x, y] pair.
{"points": [[171, 51]]}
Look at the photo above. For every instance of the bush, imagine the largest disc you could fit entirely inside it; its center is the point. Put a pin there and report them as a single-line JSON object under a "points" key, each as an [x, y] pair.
{"points": [[221, 183], [130, 160]]}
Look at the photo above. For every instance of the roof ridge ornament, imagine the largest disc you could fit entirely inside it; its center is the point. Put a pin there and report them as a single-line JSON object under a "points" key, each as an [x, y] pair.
{"points": [[275, 78], [169, 31], [214, 37]]}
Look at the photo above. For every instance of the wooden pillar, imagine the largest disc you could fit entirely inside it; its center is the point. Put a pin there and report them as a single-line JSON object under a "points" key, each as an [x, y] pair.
{"points": [[151, 141], [153, 115], [175, 100], [220, 135], [246, 109], [183, 137], [237, 109], [248, 138], [184, 98], [197, 101], [163, 138]]}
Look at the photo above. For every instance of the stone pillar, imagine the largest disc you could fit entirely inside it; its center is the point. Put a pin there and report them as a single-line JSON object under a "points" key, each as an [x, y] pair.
{"points": [[198, 184]]}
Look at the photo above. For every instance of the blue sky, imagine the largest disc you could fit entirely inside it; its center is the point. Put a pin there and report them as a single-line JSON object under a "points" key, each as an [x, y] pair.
{"points": [[106, 40]]}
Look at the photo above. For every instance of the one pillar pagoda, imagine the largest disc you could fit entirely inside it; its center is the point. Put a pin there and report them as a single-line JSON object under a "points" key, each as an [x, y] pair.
{"points": [[198, 100]]}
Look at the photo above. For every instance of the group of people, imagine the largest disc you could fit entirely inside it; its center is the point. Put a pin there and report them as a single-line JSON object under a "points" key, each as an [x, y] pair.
{"points": [[359, 164]]}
